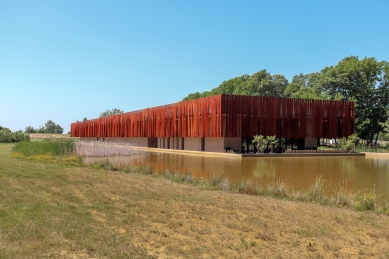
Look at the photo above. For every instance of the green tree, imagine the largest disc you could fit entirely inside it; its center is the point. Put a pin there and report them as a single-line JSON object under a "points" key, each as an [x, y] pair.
{"points": [[260, 141], [260, 83], [58, 129], [365, 82], [30, 129], [306, 87], [52, 128], [271, 140], [41, 129], [111, 112]]}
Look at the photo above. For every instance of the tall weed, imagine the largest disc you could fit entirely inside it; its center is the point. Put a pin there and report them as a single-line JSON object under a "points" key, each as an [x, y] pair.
{"points": [[344, 196], [317, 192], [366, 200], [218, 181], [54, 147]]}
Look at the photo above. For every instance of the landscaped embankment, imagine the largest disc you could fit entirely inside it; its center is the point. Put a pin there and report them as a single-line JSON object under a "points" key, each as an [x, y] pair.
{"points": [[64, 211]]}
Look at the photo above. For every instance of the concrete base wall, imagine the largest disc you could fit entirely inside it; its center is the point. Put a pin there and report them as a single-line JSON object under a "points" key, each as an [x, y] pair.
{"points": [[212, 144], [177, 142], [174, 143], [168, 143], [234, 143], [192, 144], [136, 141], [160, 143], [311, 142], [152, 142]]}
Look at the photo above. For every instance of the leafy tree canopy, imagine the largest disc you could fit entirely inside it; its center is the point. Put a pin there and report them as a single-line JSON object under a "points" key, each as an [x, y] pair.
{"points": [[30, 129], [7, 136], [50, 127], [53, 128], [111, 112], [261, 83], [364, 81]]}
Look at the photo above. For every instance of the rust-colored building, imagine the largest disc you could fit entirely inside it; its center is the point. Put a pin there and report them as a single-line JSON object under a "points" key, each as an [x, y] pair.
{"points": [[217, 122]]}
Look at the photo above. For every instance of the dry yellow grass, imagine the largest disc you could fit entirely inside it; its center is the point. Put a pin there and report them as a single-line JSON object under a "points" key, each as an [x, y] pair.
{"points": [[47, 136], [55, 211]]}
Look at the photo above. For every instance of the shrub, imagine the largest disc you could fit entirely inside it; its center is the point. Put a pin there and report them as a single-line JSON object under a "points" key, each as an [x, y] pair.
{"points": [[19, 136], [366, 200], [7, 136]]}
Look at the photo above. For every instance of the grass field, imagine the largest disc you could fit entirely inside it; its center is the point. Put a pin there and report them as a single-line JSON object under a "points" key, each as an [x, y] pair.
{"points": [[51, 210]]}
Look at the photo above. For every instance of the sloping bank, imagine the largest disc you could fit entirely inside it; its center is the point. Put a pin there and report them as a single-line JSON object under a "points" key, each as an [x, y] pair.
{"points": [[66, 211]]}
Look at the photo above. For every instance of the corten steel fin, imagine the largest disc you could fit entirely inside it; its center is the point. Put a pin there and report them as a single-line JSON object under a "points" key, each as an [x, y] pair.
{"points": [[228, 116]]}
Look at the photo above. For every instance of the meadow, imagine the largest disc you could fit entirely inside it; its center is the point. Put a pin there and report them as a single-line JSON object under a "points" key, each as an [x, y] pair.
{"points": [[53, 208]]}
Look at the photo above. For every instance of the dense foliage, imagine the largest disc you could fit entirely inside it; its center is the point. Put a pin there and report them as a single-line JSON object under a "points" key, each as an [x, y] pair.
{"points": [[50, 127], [364, 81], [111, 112], [261, 83], [7, 136]]}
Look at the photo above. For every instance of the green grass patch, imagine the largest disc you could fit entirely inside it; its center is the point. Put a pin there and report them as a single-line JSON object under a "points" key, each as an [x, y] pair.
{"points": [[55, 147], [48, 150]]}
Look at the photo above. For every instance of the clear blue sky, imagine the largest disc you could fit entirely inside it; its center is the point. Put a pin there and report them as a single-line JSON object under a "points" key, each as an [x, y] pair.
{"points": [[66, 60]]}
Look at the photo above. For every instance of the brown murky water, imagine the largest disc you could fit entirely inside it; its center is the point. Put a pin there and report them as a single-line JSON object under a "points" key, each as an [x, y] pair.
{"points": [[300, 172]]}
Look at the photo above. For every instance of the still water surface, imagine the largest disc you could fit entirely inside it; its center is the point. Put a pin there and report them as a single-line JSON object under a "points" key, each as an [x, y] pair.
{"points": [[299, 172]]}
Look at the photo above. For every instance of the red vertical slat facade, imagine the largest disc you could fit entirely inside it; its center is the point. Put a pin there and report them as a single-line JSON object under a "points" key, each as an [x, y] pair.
{"points": [[228, 116]]}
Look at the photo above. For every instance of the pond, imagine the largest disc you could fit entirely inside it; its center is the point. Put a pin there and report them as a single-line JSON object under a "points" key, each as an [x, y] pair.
{"points": [[354, 172]]}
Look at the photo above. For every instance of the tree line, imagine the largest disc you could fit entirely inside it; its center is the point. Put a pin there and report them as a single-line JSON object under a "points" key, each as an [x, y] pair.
{"points": [[50, 127], [363, 81], [7, 136]]}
